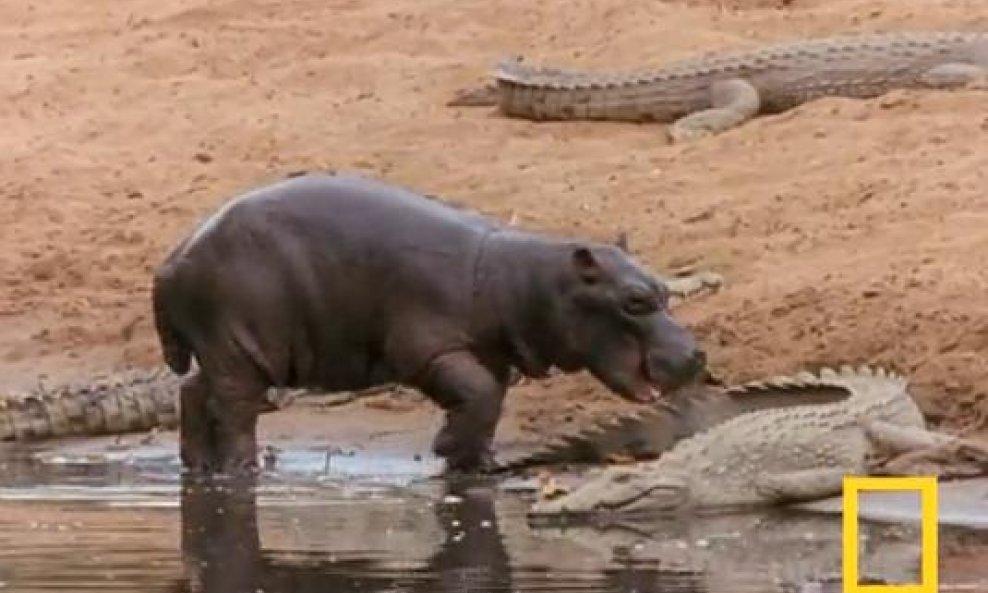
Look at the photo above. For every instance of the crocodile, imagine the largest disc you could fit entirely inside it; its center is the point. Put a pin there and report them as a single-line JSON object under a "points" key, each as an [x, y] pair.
{"points": [[716, 91], [766, 458]]}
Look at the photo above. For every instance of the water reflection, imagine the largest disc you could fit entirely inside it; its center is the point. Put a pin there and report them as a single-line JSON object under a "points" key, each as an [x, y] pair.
{"points": [[457, 534], [222, 553], [473, 556]]}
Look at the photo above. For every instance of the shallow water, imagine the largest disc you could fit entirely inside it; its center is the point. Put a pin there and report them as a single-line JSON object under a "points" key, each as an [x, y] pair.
{"points": [[133, 525]]}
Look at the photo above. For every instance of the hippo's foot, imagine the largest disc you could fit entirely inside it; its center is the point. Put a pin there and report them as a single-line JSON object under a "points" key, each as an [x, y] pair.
{"points": [[471, 464], [239, 467], [196, 435], [227, 470], [689, 284], [471, 470]]}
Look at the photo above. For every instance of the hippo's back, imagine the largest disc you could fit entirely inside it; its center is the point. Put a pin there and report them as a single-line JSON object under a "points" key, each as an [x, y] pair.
{"points": [[319, 268], [353, 207]]}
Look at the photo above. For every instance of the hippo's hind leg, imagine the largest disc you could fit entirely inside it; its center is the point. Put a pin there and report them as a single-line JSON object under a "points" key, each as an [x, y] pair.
{"points": [[472, 396], [196, 438], [236, 397]]}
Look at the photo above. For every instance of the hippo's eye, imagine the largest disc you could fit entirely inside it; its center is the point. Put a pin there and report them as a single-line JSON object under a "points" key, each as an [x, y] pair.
{"points": [[640, 303]]}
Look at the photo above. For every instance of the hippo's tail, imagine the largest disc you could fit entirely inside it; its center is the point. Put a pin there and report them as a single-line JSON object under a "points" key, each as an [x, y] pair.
{"points": [[177, 354]]}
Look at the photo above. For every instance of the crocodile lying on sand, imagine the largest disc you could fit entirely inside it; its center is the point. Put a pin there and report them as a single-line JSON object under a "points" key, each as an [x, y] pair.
{"points": [[717, 91], [767, 457]]}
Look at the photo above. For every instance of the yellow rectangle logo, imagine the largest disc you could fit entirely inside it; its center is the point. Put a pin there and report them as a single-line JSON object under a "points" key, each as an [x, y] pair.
{"points": [[927, 488]]}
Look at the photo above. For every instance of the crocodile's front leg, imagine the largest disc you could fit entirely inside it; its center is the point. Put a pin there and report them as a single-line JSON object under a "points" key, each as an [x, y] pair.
{"points": [[913, 446], [802, 485], [733, 102], [897, 439]]}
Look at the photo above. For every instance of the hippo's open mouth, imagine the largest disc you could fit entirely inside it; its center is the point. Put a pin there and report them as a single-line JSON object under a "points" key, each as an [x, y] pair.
{"points": [[648, 389], [648, 394]]}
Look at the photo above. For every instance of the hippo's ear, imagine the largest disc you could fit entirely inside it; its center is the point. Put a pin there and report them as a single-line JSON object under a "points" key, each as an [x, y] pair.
{"points": [[586, 265], [622, 242]]}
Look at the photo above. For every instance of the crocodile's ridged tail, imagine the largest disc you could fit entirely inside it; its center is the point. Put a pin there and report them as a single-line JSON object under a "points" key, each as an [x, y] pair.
{"points": [[117, 404], [649, 432]]}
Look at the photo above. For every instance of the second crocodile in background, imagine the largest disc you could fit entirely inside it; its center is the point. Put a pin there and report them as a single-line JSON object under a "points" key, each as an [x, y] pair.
{"points": [[716, 91]]}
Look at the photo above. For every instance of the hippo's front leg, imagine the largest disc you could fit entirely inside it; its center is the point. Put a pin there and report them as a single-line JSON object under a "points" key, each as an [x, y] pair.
{"points": [[471, 394]]}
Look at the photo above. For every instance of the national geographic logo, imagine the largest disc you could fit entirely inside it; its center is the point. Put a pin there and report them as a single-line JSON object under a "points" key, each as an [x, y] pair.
{"points": [[927, 488]]}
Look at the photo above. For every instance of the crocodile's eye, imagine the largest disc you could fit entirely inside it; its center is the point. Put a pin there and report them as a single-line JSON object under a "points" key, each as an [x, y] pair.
{"points": [[622, 478]]}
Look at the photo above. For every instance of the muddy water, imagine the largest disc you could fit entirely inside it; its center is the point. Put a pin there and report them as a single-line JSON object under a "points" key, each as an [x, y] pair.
{"points": [[75, 524]]}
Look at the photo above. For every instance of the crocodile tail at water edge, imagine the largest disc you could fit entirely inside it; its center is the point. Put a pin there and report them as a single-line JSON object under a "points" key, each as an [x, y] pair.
{"points": [[114, 404]]}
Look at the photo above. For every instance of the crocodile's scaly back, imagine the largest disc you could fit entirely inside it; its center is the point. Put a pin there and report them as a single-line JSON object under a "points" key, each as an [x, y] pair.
{"points": [[782, 75], [646, 432]]}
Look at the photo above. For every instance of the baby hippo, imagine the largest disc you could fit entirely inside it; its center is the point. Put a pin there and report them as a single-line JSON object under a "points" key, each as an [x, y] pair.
{"points": [[337, 283]]}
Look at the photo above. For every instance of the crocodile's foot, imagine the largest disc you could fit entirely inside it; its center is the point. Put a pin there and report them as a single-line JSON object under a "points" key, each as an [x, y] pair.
{"points": [[703, 124], [689, 284], [957, 75], [921, 451], [733, 103]]}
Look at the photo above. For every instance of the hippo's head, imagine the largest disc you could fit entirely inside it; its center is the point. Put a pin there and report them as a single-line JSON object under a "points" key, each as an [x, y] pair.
{"points": [[613, 320]]}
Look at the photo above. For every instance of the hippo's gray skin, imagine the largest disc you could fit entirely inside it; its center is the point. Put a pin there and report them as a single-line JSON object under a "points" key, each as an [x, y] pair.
{"points": [[338, 283]]}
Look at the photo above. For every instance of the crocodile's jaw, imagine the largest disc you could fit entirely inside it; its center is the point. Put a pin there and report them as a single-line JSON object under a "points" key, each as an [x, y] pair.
{"points": [[619, 489]]}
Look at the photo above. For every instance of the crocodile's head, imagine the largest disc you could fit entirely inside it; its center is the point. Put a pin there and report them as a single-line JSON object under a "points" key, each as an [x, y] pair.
{"points": [[622, 489]]}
